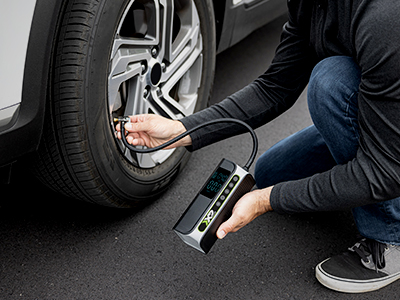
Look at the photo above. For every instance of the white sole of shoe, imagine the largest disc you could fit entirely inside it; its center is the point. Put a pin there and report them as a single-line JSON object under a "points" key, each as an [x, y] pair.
{"points": [[351, 285]]}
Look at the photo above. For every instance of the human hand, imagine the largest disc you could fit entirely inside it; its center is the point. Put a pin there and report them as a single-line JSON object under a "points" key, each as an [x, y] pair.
{"points": [[249, 207], [153, 130]]}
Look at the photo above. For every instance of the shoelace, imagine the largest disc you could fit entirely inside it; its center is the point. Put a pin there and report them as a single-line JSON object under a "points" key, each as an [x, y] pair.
{"points": [[367, 247]]}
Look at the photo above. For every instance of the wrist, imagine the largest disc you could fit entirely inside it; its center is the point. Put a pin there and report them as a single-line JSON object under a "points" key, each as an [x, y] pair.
{"points": [[187, 140], [264, 204]]}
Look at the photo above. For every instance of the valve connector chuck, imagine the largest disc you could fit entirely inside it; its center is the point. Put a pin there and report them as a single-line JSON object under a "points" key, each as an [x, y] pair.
{"points": [[122, 119]]}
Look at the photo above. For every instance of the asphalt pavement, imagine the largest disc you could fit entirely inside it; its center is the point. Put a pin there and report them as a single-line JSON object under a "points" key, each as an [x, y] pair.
{"points": [[53, 247]]}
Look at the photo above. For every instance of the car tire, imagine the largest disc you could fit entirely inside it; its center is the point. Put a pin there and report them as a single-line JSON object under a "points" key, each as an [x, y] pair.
{"points": [[118, 57]]}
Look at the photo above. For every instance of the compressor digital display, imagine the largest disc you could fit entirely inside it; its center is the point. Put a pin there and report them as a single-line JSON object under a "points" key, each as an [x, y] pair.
{"points": [[214, 185]]}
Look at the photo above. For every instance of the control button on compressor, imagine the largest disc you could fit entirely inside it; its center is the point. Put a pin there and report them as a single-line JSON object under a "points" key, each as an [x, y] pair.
{"points": [[202, 226]]}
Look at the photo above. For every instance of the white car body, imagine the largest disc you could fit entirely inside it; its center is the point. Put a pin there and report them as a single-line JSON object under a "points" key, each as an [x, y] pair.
{"points": [[12, 59]]}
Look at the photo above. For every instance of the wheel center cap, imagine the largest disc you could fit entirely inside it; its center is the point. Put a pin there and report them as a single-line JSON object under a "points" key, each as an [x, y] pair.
{"points": [[155, 75]]}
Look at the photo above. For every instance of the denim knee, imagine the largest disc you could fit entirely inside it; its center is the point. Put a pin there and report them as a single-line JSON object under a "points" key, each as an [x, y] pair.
{"points": [[333, 104], [330, 79], [300, 155]]}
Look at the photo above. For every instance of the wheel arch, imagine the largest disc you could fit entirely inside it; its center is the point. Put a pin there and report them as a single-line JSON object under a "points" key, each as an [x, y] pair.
{"points": [[219, 12], [25, 132]]}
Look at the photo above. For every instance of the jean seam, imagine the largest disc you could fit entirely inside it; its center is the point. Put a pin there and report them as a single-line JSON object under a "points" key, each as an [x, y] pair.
{"points": [[350, 119], [390, 224]]}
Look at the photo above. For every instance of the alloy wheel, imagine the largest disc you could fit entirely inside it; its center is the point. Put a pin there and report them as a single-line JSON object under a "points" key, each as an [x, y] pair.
{"points": [[155, 66]]}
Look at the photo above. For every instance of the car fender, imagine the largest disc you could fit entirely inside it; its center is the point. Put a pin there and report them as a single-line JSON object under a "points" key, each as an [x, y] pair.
{"points": [[242, 17], [24, 92], [12, 54]]}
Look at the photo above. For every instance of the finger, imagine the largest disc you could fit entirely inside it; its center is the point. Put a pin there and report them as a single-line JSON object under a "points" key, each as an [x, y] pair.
{"points": [[221, 233], [132, 140], [119, 134], [138, 127], [231, 225], [137, 118], [135, 140]]}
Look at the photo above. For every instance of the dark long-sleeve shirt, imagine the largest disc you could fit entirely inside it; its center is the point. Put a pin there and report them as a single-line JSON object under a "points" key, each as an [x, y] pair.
{"points": [[368, 31]]}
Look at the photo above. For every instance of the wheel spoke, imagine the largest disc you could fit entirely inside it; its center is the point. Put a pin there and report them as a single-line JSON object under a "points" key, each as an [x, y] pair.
{"points": [[126, 64], [152, 159], [180, 29], [130, 33], [135, 101], [189, 76]]}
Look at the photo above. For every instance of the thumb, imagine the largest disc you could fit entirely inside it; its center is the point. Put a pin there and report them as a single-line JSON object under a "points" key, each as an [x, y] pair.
{"points": [[231, 225], [137, 127]]}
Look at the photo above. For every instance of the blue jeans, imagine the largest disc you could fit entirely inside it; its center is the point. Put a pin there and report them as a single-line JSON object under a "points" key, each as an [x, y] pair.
{"points": [[333, 139]]}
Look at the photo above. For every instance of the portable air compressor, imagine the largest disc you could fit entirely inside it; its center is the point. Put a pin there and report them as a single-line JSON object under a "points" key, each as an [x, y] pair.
{"points": [[213, 204]]}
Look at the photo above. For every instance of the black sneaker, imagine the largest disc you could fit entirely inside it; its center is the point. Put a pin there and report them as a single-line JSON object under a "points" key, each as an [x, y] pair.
{"points": [[367, 266]]}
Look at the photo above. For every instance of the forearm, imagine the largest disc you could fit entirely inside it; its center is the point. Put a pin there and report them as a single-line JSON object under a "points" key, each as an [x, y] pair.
{"points": [[369, 178], [244, 105]]}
